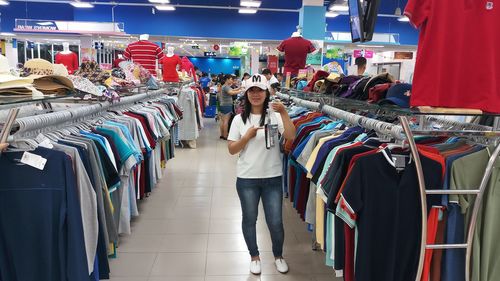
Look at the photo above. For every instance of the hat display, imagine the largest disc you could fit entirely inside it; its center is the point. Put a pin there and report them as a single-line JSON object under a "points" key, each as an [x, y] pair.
{"points": [[92, 71], [85, 85], [45, 79], [13, 85], [257, 80], [334, 77], [398, 94]]}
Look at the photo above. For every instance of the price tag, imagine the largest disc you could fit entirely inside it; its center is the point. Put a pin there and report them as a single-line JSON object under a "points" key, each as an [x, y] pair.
{"points": [[44, 141], [33, 160]]}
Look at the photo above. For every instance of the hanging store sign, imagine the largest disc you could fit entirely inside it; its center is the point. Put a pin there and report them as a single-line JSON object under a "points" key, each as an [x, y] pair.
{"points": [[210, 54], [403, 55], [363, 53], [52, 26]]}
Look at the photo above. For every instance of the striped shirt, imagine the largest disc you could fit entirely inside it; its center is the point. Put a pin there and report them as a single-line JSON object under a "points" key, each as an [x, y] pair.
{"points": [[144, 53]]}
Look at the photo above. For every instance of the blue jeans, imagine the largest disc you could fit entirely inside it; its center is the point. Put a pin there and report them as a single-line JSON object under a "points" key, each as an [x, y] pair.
{"points": [[250, 192]]}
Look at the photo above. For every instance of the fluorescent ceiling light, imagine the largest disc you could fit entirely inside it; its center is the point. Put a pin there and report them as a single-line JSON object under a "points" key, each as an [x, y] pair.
{"points": [[7, 34], [165, 8], [249, 3], [331, 15], [4, 3], [78, 4], [339, 8], [371, 46], [404, 19], [247, 11], [160, 1]]}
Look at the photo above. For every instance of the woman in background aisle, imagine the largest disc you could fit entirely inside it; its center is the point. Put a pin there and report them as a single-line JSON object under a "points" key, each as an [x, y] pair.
{"points": [[226, 104], [260, 168]]}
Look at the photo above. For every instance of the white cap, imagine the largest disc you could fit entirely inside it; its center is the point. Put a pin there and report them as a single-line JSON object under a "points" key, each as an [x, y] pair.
{"points": [[257, 80]]}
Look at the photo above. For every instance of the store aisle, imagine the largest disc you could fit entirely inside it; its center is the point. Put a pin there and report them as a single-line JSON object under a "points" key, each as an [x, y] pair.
{"points": [[190, 228]]}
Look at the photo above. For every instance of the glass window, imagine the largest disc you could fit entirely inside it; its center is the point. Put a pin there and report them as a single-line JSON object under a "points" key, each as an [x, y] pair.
{"points": [[20, 52], [46, 52]]}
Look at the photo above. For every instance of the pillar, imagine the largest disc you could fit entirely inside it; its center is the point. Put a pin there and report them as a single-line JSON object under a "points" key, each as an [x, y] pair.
{"points": [[312, 19]]}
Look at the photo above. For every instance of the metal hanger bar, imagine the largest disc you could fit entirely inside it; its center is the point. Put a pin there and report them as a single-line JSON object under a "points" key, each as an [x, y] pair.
{"points": [[445, 246], [464, 133], [32, 123], [452, 192]]}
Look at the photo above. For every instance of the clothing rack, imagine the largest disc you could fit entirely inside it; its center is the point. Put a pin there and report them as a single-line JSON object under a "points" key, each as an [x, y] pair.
{"points": [[32, 125], [404, 132]]}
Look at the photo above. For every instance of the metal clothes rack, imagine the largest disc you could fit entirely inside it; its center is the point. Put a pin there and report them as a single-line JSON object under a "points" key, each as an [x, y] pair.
{"points": [[31, 126], [404, 132]]}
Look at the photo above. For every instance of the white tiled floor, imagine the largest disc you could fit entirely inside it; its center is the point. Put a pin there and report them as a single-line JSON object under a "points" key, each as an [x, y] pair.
{"points": [[190, 228]]}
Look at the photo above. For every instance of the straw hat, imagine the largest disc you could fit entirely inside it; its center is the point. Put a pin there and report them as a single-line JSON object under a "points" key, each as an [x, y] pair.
{"points": [[8, 80], [45, 77]]}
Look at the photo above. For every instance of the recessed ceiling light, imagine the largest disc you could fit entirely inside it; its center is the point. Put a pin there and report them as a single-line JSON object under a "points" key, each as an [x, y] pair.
{"points": [[4, 3], [78, 4], [331, 14], [403, 19], [247, 11], [165, 8], [339, 8], [249, 3]]}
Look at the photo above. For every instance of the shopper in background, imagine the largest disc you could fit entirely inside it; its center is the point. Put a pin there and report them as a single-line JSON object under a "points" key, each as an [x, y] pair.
{"points": [[361, 62], [259, 168], [244, 80], [226, 104], [205, 82], [281, 79], [274, 84]]}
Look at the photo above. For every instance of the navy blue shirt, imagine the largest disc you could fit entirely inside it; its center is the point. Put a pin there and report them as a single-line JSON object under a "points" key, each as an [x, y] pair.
{"points": [[40, 219]]}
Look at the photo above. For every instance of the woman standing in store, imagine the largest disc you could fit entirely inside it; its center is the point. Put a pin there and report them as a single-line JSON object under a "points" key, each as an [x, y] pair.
{"points": [[226, 104], [260, 167]]}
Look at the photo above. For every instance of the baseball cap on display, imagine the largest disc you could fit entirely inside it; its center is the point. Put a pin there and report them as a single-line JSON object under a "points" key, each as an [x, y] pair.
{"points": [[398, 94], [257, 80]]}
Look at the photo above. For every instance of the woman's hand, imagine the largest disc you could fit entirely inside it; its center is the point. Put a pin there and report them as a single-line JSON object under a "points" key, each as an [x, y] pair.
{"points": [[252, 132], [277, 106], [3, 146]]}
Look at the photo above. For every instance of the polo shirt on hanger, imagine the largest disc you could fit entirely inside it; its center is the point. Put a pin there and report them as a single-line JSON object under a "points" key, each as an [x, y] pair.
{"points": [[377, 192]]}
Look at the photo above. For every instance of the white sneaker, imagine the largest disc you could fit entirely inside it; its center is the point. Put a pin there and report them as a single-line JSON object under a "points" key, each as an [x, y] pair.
{"points": [[255, 267], [281, 265]]}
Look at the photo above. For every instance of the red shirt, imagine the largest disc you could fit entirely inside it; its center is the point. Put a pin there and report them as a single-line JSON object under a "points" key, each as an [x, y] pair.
{"points": [[457, 60], [188, 66], [144, 53], [116, 62], [296, 50], [70, 61], [169, 68]]}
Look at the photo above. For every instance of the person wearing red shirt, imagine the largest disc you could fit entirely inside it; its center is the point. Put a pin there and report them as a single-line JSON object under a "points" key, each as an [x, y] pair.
{"points": [[296, 50]]}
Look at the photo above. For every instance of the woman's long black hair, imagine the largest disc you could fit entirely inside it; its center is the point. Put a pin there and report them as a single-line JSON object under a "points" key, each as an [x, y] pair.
{"points": [[248, 108]]}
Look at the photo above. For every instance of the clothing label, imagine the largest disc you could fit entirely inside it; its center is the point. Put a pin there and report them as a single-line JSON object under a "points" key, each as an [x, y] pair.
{"points": [[33, 160], [489, 5], [44, 141], [399, 161]]}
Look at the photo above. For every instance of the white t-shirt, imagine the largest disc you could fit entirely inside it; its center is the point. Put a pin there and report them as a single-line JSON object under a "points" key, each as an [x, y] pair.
{"points": [[255, 161]]}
